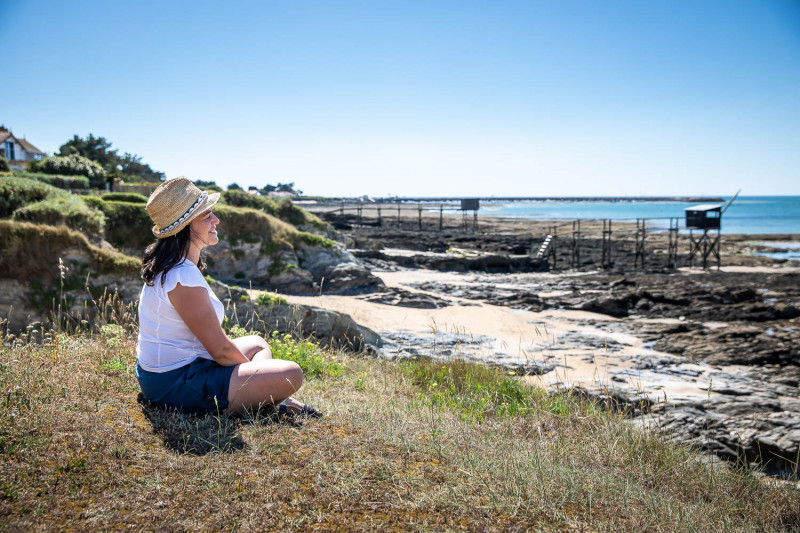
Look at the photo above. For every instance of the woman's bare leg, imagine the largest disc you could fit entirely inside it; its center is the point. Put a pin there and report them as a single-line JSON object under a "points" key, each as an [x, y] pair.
{"points": [[263, 382], [254, 347]]}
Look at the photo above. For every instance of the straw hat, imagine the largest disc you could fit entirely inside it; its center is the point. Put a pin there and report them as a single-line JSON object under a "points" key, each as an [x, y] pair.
{"points": [[175, 203]]}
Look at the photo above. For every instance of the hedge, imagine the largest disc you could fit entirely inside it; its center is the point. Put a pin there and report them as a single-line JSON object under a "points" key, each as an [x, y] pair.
{"points": [[62, 182], [132, 197]]}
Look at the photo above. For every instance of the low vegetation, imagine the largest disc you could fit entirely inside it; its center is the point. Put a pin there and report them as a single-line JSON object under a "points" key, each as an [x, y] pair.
{"points": [[130, 197], [282, 208], [62, 182], [31, 251], [268, 298], [418, 446], [67, 210], [17, 192]]}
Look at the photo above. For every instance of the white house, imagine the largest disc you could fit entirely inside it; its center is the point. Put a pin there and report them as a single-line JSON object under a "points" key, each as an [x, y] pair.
{"points": [[19, 152]]}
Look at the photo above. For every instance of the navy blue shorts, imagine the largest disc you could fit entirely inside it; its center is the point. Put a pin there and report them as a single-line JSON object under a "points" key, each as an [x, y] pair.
{"points": [[200, 387]]}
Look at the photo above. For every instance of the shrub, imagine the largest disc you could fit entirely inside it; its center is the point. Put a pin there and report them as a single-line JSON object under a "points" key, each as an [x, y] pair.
{"points": [[305, 353], [68, 210], [62, 182], [131, 197], [17, 192], [268, 298], [4, 166], [72, 165]]}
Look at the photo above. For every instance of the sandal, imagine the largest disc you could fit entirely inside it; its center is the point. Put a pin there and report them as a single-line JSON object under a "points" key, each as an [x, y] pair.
{"points": [[306, 410]]}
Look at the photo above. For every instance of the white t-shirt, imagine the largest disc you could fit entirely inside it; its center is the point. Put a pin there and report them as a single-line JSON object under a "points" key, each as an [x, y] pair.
{"points": [[165, 341]]}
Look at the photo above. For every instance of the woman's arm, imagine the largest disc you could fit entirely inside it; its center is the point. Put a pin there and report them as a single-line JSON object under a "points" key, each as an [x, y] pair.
{"points": [[194, 306]]}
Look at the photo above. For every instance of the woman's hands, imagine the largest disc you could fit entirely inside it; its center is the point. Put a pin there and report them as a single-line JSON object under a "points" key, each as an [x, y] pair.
{"points": [[194, 307]]}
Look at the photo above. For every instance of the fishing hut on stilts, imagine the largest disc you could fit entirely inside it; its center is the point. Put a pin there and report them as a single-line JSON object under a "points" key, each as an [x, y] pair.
{"points": [[470, 204], [708, 219]]}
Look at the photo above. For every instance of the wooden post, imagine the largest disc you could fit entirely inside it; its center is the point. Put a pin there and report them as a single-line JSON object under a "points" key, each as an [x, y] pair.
{"points": [[441, 208], [639, 254], [398, 214], [606, 259], [379, 213], [576, 250], [419, 217], [672, 254]]}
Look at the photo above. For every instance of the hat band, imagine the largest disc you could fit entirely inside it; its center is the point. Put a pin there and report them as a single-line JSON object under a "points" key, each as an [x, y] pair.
{"points": [[171, 227]]}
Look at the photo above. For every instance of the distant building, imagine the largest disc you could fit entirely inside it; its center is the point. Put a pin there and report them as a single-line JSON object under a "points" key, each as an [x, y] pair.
{"points": [[19, 152], [252, 190]]}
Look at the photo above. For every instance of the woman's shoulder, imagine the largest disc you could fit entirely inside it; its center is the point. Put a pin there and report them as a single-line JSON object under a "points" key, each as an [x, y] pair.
{"points": [[187, 274]]}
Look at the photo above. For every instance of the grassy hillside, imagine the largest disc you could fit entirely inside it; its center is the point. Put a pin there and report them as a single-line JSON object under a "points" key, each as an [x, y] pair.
{"points": [[412, 446], [29, 251]]}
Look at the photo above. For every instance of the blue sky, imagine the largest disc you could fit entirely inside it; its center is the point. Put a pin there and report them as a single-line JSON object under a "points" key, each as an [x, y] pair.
{"points": [[421, 98]]}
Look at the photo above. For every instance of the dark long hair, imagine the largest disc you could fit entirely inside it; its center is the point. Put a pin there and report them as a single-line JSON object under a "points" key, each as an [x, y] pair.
{"points": [[161, 256]]}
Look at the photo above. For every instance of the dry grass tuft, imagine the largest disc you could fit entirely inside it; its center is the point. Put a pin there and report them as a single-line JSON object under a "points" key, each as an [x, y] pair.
{"points": [[79, 452]]}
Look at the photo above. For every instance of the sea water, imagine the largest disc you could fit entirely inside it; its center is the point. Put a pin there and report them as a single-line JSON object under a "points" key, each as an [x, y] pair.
{"points": [[749, 215]]}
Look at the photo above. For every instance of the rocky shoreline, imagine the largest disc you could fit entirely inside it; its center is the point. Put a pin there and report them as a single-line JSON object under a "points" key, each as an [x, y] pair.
{"points": [[717, 361]]}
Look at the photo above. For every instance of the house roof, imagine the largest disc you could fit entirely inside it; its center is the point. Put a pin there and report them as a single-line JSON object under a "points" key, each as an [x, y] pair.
{"points": [[28, 147], [705, 207]]}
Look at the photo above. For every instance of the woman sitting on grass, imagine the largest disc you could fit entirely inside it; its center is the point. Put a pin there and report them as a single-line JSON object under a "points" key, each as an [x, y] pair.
{"points": [[184, 358]]}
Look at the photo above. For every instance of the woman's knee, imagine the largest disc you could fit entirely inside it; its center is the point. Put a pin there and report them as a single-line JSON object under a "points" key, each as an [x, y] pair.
{"points": [[294, 374], [250, 345]]}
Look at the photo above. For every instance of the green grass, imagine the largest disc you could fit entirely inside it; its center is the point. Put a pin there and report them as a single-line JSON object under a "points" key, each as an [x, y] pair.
{"points": [[476, 391], [78, 452]]}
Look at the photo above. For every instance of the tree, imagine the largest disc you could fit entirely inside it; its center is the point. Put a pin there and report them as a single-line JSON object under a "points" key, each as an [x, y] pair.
{"points": [[234, 187], [280, 187], [4, 166], [98, 149]]}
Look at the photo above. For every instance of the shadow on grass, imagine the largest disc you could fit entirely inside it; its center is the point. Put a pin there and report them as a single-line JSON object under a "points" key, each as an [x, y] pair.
{"points": [[194, 434], [203, 434]]}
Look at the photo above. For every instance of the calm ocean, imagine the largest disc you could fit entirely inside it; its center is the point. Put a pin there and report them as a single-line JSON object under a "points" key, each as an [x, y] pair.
{"points": [[747, 215]]}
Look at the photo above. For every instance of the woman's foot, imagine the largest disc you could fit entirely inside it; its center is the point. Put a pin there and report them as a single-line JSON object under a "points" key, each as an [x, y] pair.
{"points": [[291, 407]]}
